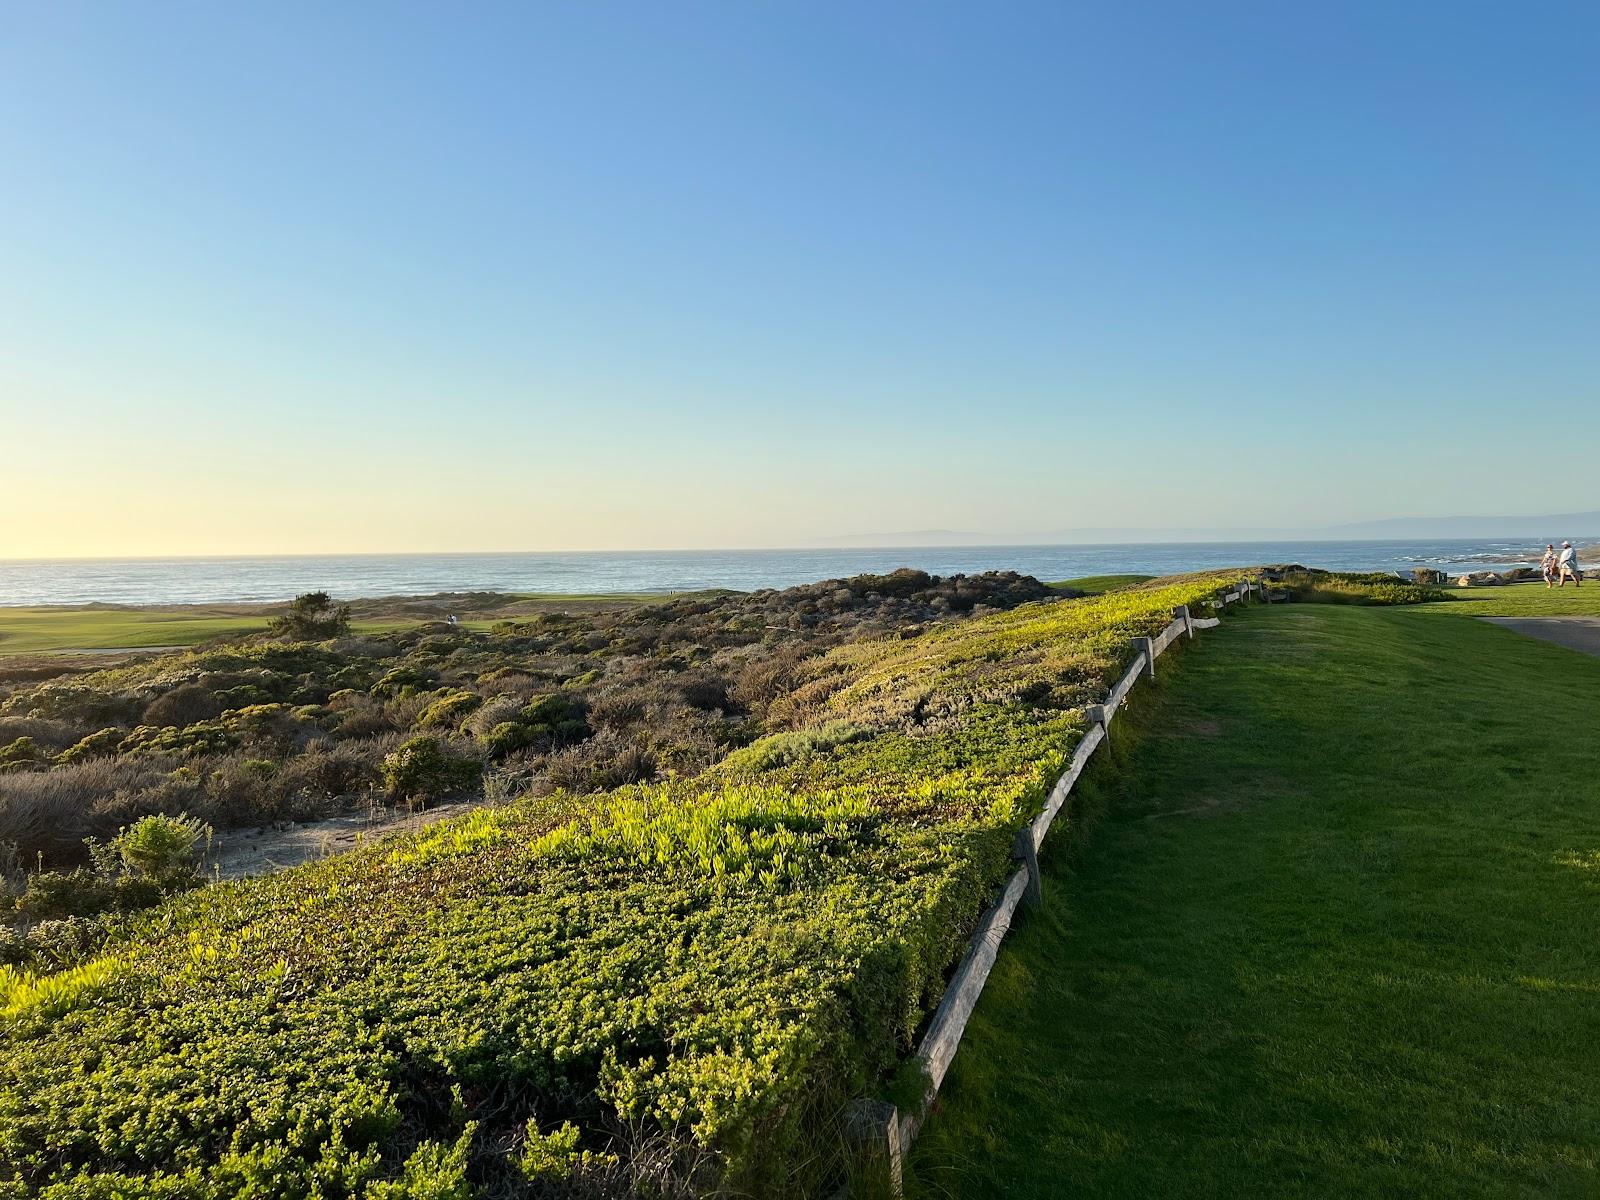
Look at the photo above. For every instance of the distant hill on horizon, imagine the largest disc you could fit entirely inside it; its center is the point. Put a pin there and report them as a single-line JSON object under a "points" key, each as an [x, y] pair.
{"points": [[1545, 527]]}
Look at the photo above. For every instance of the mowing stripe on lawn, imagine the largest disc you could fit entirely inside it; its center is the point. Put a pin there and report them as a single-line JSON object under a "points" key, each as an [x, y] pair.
{"points": [[1333, 933]]}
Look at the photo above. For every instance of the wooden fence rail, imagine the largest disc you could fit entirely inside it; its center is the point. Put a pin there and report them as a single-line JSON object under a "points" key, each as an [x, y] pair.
{"points": [[885, 1131]]}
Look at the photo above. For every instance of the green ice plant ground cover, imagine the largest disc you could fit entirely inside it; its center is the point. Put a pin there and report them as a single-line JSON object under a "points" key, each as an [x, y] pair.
{"points": [[676, 988]]}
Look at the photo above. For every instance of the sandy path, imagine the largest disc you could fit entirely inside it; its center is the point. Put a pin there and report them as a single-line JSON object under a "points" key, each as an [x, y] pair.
{"points": [[1575, 633], [237, 853]]}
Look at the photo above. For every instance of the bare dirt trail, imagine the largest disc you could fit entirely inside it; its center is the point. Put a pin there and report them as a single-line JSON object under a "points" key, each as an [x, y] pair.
{"points": [[239, 853]]}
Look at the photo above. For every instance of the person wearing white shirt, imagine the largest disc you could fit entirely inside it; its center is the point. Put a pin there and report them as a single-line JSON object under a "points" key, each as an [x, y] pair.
{"points": [[1567, 565]]}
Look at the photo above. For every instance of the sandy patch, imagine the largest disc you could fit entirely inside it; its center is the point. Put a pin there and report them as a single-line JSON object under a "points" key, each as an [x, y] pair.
{"points": [[237, 853]]}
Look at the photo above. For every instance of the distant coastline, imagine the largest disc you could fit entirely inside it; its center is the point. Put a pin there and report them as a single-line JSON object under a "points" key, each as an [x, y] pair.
{"points": [[264, 579]]}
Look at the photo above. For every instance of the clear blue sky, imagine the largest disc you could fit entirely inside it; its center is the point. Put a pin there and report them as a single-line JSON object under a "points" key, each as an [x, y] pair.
{"points": [[284, 277]]}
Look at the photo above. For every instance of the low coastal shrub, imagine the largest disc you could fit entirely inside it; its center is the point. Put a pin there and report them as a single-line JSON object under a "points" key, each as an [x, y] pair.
{"points": [[600, 765], [449, 710], [670, 990], [152, 858], [49, 812], [549, 722], [673, 686], [102, 743], [20, 754], [189, 703], [1334, 587], [51, 736], [791, 746], [404, 681], [160, 848], [81, 703], [76, 893], [423, 768]]}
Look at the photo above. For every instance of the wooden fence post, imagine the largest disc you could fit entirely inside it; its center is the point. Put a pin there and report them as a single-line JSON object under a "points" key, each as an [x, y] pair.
{"points": [[1027, 850], [873, 1126], [1148, 645], [877, 1129]]}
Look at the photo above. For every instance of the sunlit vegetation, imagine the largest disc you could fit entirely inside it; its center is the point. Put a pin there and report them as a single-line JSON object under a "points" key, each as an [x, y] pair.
{"points": [[665, 990], [1521, 600], [1330, 587], [49, 630], [1094, 585], [273, 727]]}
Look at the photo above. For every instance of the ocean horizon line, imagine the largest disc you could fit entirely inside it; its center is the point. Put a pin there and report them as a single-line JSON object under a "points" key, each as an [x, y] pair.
{"points": [[856, 548], [244, 579]]}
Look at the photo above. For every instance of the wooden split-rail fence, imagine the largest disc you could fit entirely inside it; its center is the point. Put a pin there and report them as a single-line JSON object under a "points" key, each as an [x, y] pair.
{"points": [[881, 1130]]}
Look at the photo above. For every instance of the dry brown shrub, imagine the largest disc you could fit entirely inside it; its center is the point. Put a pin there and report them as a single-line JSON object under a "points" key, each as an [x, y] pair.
{"points": [[764, 678], [361, 716], [806, 703], [602, 763], [328, 778], [51, 812], [493, 712], [619, 711], [183, 705], [52, 736], [704, 690]]}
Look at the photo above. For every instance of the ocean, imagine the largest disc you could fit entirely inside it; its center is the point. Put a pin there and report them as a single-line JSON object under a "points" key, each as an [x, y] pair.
{"points": [[350, 576]]}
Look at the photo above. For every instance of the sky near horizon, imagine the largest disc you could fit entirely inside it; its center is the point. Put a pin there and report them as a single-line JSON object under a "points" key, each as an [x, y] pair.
{"points": [[320, 278]]}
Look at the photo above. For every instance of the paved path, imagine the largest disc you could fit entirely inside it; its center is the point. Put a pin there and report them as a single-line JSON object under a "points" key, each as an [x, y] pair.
{"points": [[1575, 633]]}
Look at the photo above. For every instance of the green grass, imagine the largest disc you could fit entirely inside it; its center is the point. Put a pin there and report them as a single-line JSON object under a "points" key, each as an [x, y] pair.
{"points": [[45, 630], [52, 630], [1522, 600], [1095, 584], [1332, 933]]}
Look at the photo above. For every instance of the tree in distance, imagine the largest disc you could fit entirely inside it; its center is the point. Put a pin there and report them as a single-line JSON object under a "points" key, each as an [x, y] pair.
{"points": [[313, 617]]}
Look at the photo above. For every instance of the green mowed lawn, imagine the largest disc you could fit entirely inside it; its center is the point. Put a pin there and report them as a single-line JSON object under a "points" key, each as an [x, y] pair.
{"points": [[1332, 932], [43, 630], [46, 630], [1096, 584], [1522, 600]]}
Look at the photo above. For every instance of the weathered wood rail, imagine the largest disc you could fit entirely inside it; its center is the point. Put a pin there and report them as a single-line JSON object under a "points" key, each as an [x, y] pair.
{"points": [[884, 1131]]}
